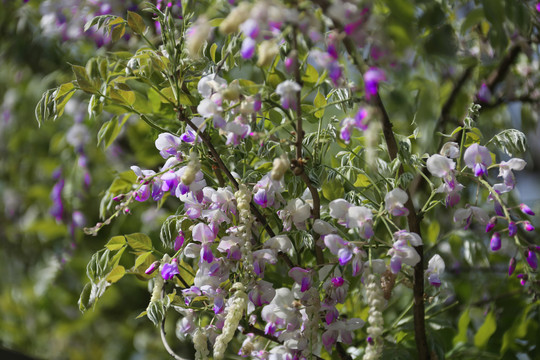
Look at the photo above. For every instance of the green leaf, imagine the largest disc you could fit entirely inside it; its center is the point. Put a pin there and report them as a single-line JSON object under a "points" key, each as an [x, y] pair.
{"points": [[116, 274], [116, 243], [320, 103], [139, 242], [143, 314], [485, 331], [362, 181], [84, 299], [156, 312], [141, 259], [473, 18], [333, 189], [122, 96], [311, 75], [511, 141], [117, 28], [213, 49], [61, 97], [116, 258], [463, 325], [433, 231], [518, 330], [136, 22], [83, 81]]}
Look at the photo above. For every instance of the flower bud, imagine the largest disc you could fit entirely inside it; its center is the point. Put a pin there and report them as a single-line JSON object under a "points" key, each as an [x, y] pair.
{"points": [[232, 93], [491, 224], [528, 226], [268, 50], [532, 260], [495, 241], [152, 268], [512, 229], [197, 35], [280, 166], [191, 169], [236, 17], [523, 278], [526, 210], [512, 266]]}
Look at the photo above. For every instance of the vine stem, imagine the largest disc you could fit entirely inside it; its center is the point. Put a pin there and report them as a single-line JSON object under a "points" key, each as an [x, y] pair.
{"points": [[414, 226], [166, 344], [298, 163]]}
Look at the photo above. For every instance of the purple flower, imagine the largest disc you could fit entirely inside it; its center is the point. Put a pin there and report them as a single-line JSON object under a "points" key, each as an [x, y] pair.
{"points": [[394, 202], [152, 268], [491, 224], [288, 91], [248, 48], [512, 228], [169, 270], [532, 260], [302, 277], [372, 78], [435, 268], [526, 210], [512, 266], [179, 241], [495, 242], [484, 94], [528, 226], [477, 158]]}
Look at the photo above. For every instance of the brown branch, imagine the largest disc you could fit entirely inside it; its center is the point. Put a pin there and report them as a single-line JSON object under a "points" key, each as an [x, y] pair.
{"points": [[414, 226], [449, 103], [499, 74], [298, 163]]}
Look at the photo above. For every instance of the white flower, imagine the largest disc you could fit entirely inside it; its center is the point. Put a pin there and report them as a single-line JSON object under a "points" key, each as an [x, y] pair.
{"points": [[394, 202], [435, 268], [440, 166], [287, 90]]}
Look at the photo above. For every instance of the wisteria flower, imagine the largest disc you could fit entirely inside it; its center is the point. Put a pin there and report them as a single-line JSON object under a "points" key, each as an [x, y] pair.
{"points": [[394, 202], [477, 158], [302, 277], [168, 271], [349, 124], [372, 78], [505, 171], [288, 90], [402, 252], [296, 212], [435, 269], [466, 215]]}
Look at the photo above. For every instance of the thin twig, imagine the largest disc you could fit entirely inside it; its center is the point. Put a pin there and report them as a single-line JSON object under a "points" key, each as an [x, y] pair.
{"points": [[166, 344]]}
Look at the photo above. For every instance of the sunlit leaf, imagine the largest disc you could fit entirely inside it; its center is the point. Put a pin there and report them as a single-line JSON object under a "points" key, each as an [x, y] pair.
{"points": [[485, 331]]}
